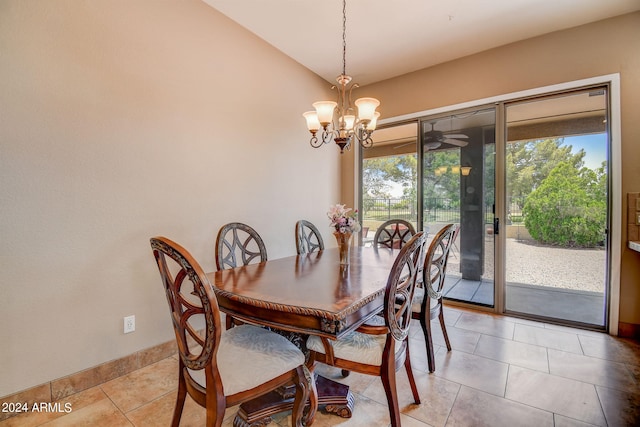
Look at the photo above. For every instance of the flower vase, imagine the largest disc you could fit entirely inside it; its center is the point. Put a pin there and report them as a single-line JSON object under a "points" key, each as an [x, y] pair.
{"points": [[344, 245]]}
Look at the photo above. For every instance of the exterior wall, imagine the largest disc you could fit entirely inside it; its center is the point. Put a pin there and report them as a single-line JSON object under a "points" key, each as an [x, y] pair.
{"points": [[121, 120], [601, 48]]}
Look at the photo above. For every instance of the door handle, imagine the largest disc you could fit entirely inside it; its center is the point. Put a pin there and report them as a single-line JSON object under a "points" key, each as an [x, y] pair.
{"points": [[496, 225]]}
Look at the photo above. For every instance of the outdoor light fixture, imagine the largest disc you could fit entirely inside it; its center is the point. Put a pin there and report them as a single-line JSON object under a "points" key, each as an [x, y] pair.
{"points": [[455, 169], [338, 119]]}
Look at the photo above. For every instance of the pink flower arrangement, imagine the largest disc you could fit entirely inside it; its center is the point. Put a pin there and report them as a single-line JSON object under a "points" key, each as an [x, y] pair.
{"points": [[343, 219]]}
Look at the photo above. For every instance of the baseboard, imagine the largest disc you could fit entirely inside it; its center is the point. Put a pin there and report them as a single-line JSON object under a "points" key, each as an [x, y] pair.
{"points": [[74, 383], [629, 330]]}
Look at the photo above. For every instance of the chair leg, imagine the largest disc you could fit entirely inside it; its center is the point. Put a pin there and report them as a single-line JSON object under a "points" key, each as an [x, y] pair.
{"points": [[313, 394], [412, 381], [228, 322], [304, 383], [215, 407], [425, 322], [444, 328], [389, 383], [182, 394]]}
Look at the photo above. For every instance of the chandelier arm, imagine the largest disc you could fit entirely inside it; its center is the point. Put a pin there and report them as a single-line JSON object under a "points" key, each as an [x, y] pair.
{"points": [[350, 103], [315, 143], [340, 109], [359, 131], [363, 135], [328, 136], [367, 141], [348, 146]]}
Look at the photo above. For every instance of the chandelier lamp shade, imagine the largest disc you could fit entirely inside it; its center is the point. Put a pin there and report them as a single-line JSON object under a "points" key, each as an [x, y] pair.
{"points": [[338, 121]]}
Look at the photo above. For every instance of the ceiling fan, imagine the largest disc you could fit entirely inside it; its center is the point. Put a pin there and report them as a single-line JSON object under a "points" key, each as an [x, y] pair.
{"points": [[433, 139]]}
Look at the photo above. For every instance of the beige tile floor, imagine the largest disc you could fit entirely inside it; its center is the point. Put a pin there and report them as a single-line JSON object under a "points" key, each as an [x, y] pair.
{"points": [[501, 372]]}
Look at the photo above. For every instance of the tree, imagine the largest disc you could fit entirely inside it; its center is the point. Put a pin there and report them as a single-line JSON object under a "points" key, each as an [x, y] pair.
{"points": [[378, 172], [569, 207], [374, 176], [440, 180], [530, 162]]}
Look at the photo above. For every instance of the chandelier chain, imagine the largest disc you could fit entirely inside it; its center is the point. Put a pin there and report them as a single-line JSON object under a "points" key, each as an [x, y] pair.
{"points": [[344, 37]]}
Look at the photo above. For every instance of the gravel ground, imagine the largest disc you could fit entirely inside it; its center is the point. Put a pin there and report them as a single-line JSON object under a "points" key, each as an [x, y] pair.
{"points": [[529, 263]]}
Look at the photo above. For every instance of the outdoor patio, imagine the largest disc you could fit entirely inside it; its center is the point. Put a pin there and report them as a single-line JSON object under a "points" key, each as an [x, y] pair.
{"points": [[552, 282], [573, 305]]}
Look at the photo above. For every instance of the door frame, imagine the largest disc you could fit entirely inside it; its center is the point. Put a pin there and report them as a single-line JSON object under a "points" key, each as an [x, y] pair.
{"points": [[615, 177]]}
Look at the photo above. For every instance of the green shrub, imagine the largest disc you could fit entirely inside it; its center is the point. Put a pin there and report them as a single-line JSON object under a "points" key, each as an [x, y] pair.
{"points": [[564, 210], [402, 204]]}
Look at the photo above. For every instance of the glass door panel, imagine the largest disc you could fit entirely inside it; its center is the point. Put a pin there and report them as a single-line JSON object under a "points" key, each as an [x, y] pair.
{"points": [[389, 179], [458, 186], [556, 199]]}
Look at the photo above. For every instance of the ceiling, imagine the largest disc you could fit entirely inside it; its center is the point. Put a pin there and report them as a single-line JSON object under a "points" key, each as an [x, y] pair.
{"points": [[388, 38]]}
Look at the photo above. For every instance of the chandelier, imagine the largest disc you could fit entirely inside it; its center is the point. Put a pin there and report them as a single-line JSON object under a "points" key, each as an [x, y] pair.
{"points": [[337, 119]]}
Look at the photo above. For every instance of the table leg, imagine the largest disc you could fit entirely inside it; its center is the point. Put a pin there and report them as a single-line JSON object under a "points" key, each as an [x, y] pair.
{"points": [[333, 396]]}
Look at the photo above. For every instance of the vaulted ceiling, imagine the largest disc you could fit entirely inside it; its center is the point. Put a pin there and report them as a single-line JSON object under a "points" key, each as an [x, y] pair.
{"points": [[388, 38]]}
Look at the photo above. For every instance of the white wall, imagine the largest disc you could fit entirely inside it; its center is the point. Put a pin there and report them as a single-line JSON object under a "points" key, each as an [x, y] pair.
{"points": [[121, 120]]}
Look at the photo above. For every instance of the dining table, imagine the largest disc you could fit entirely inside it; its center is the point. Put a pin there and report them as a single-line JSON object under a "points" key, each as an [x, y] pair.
{"points": [[302, 295]]}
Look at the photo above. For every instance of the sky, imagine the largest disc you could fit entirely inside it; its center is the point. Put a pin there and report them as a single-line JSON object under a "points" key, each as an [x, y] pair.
{"points": [[594, 145]]}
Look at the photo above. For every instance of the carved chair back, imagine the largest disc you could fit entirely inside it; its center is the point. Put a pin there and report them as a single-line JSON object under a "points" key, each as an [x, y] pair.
{"points": [[400, 287], [238, 244], [308, 238], [393, 234], [435, 263], [428, 302], [191, 298]]}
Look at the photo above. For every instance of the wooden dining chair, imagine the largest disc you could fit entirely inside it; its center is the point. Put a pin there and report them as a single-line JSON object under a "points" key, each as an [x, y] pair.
{"points": [[427, 302], [381, 349], [308, 238], [393, 234], [238, 244], [222, 369]]}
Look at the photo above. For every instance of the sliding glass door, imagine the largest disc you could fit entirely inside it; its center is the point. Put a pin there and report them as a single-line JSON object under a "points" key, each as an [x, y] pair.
{"points": [[557, 204], [432, 172], [528, 182], [458, 170]]}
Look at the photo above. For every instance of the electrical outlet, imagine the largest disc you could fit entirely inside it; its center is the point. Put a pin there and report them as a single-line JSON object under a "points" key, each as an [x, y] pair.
{"points": [[129, 324]]}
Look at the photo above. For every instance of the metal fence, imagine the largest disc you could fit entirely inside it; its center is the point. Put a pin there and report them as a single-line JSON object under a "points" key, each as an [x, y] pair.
{"points": [[382, 209], [436, 209]]}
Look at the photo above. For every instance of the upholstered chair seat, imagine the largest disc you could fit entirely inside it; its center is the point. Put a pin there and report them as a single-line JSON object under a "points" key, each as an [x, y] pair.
{"points": [[249, 356], [357, 347]]}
